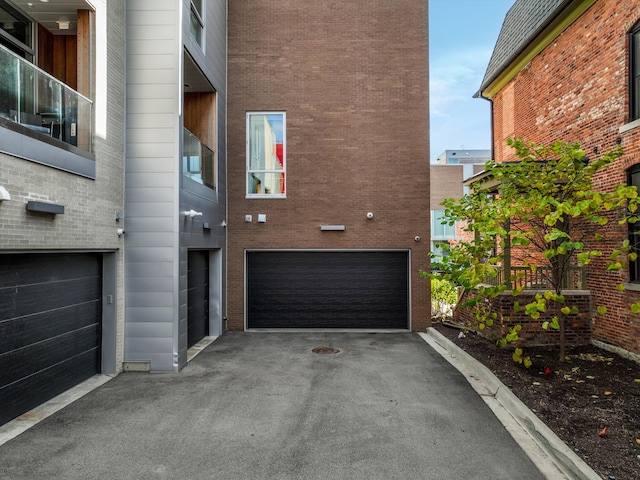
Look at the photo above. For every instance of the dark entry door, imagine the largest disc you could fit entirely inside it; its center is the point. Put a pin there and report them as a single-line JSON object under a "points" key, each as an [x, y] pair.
{"points": [[50, 327], [198, 296], [297, 289]]}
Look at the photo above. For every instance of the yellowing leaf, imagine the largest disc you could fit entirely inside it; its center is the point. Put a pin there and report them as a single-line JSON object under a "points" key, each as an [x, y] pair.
{"points": [[608, 393], [638, 441], [590, 377], [637, 380]]}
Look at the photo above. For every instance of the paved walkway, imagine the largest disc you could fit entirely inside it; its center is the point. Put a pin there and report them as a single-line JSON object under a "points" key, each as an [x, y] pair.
{"points": [[264, 406]]}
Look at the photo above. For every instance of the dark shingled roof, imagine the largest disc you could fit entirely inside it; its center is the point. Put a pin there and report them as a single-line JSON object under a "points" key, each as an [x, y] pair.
{"points": [[523, 22]]}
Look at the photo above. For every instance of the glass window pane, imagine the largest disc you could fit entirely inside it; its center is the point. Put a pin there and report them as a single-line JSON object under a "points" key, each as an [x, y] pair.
{"points": [[198, 161], [634, 57], [266, 154], [266, 183], [265, 148], [196, 28], [16, 25], [9, 66], [208, 168], [634, 229], [197, 20], [197, 5]]}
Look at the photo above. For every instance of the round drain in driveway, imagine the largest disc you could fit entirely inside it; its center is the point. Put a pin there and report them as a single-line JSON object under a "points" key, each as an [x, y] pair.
{"points": [[325, 350]]}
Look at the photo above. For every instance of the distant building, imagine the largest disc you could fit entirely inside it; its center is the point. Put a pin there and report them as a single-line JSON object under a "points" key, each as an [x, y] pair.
{"points": [[450, 170], [463, 157]]}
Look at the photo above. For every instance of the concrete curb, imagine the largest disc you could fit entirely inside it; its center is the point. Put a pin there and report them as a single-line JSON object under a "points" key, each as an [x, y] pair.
{"points": [[552, 456]]}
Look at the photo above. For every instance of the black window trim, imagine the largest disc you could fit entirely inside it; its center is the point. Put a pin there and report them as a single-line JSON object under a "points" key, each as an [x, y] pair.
{"points": [[634, 232], [634, 65]]}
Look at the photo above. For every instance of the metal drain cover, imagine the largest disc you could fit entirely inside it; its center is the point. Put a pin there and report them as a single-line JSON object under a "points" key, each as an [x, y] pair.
{"points": [[325, 350]]}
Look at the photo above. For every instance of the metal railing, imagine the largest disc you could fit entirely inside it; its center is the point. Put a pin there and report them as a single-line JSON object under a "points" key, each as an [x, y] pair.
{"points": [[38, 101], [527, 278]]}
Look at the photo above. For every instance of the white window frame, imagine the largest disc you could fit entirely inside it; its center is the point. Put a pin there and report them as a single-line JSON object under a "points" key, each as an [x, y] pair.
{"points": [[249, 170]]}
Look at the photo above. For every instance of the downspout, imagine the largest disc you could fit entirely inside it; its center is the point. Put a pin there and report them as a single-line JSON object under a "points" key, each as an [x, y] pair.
{"points": [[479, 94]]}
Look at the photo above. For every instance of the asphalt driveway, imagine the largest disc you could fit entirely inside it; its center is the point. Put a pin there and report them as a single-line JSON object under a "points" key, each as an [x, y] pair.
{"points": [[264, 406]]}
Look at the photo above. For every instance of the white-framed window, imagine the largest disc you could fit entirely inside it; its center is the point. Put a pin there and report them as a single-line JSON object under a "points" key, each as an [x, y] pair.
{"points": [[439, 230], [197, 20], [266, 154]]}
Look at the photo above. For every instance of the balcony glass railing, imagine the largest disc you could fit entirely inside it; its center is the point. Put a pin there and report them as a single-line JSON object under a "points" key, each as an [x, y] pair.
{"points": [[36, 100], [198, 160]]}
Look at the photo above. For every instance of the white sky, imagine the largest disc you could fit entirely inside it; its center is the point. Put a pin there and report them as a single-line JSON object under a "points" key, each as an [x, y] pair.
{"points": [[462, 34]]}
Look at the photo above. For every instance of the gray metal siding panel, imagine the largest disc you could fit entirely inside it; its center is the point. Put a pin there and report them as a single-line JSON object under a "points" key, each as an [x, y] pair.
{"points": [[158, 238], [153, 136], [212, 62]]}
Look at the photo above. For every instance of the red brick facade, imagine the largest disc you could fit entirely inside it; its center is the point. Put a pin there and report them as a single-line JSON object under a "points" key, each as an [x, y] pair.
{"points": [[578, 327], [352, 78], [576, 89]]}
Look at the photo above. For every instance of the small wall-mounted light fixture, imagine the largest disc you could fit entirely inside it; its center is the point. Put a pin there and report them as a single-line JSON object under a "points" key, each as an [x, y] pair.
{"points": [[417, 238], [206, 226], [63, 24], [118, 216], [42, 207], [370, 215], [192, 213], [223, 224], [120, 232], [262, 218], [248, 218], [4, 195]]}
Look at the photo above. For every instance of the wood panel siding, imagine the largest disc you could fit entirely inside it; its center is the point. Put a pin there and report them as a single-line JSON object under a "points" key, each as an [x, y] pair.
{"points": [[83, 53], [199, 116]]}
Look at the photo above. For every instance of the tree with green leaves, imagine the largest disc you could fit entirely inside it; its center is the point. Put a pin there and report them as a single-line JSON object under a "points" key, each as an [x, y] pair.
{"points": [[542, 213], [443, 297]]}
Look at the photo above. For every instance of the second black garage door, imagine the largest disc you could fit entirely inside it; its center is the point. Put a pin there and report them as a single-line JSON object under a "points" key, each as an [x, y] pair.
{"points": [[295, 289]]}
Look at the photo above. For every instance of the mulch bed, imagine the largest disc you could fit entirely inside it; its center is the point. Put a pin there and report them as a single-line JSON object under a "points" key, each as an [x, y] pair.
{"points": [[591, 401]]}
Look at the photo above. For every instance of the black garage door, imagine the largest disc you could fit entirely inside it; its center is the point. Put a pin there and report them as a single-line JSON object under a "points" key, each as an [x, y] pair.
{"points": [[49, 327], [327, 290]]}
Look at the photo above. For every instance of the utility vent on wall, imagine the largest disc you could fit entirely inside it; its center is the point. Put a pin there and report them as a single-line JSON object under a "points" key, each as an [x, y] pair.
{"points": [[43, 207]]}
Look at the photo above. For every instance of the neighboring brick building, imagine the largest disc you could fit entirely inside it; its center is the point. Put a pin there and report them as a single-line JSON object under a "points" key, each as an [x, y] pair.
{"points": [[569, 70], [335, 233]]}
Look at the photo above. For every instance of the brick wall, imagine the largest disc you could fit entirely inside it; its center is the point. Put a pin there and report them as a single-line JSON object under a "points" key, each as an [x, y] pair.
{"points": [[576, 90], [578, 327], [355, 94], [445, 182]]}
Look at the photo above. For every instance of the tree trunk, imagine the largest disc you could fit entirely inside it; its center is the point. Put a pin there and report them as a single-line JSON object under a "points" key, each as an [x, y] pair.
{"points": [[562, 354]]}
